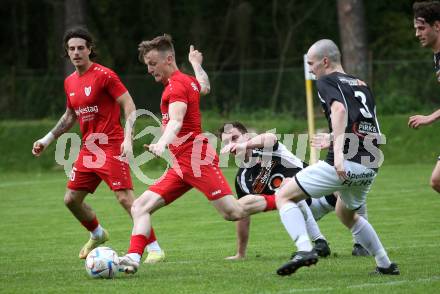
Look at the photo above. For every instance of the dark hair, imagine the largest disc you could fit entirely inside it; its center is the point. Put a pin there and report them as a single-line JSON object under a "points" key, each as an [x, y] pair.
{"points": [[161, 43], [428, 10], [81, 33], [235, 124]]}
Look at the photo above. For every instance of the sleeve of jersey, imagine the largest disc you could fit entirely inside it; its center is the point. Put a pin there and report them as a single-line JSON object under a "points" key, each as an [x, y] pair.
{"points": [[329, 91], [177, 92], [114, 86], [68, 104]]}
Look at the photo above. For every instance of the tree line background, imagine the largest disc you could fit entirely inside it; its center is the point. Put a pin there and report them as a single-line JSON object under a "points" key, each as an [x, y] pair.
{"points": [[253, 50]]}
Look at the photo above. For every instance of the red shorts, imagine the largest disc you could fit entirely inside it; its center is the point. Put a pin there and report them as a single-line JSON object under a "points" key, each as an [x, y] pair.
{"points": [[188, 172], [88, 172]]}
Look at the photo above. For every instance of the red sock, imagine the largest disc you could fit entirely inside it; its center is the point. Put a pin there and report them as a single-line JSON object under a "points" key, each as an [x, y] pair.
{"points": [[91, 225], [137, 244], [152, 237], [270, 202]]}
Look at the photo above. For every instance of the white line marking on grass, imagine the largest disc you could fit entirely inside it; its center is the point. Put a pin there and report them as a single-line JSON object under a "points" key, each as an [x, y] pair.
{"points": [[416, 246], [392, 283], [28, 183], [310, 290], [360, 286]]}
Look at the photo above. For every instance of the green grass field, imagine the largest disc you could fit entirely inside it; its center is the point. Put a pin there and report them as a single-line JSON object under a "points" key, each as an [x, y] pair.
{"points": [[40, 241]]}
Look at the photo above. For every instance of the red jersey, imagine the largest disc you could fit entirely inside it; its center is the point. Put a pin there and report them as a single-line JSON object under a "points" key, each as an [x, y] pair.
{"points": [[183, 88], [93, 97]]}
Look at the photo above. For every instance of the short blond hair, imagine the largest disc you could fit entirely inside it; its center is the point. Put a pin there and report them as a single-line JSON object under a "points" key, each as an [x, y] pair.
{"points": [[162, 43]]}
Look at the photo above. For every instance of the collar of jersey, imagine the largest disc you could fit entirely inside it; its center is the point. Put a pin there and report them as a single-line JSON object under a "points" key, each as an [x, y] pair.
{"points": [[176, 72], [87, 71]]}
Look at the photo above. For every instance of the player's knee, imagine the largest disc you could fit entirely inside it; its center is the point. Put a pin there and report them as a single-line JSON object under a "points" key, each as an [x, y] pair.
{"points": [[125, 202], [231, 216], [137, 208], [280, 199], [74, 199], [141, 206], [125, 199], [435, 184], [69, 200], [346, 216]]}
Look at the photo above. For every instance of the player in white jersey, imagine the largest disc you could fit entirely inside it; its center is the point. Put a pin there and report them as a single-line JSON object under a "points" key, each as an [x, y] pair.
{"points": [[322, 206], [351, 165], [253, 177]]}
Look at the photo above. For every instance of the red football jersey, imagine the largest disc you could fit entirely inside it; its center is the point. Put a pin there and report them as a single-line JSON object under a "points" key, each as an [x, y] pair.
{"points": [[184, 88], [93, 97]]}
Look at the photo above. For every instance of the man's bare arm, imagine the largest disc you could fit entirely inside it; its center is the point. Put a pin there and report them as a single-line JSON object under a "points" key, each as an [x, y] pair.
{"points": [[339, 122], [242, 227], [176, 112], [195, 57], [266, 140], [129, 108], [127, 104], [65, 123], [417, 121]]}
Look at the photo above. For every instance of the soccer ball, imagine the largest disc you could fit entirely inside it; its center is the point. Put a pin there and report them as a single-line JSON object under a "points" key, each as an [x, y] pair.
{"points": [[102, 262]]}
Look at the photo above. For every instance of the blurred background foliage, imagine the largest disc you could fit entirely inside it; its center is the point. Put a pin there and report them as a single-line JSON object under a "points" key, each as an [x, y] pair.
{"points": [[253, 51]]}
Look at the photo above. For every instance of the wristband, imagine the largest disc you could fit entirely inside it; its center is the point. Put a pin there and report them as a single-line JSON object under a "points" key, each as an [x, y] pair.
{"points": [[46, 140]]}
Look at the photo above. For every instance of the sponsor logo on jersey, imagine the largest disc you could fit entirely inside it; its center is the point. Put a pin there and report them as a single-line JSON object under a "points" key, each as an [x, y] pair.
{"points": [[87, 109], [364, 128], [194, 86], [216, 192], [365, 175], [367, 127], [275, 181], [88, 90], [351, 82], [72, 94], [361, 179]]}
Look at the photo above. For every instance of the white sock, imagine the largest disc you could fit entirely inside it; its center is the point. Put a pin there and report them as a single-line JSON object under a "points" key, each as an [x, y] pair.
{"points": [[362, 211], [293, 220], [311, 225], [134, 256], [97, 233], [154, 246], [367, 237]]}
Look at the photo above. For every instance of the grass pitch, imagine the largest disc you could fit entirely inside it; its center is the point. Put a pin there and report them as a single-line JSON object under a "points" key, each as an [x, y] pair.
{"points": [[40, 242]]}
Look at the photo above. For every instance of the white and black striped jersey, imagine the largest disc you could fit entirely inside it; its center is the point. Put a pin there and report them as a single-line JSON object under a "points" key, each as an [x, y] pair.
{"points": [[362, 124], [286, 165], [437, 61]]}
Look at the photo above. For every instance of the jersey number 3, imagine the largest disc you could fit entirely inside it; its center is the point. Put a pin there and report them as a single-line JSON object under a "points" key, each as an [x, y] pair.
{"points": [[364, 110]]}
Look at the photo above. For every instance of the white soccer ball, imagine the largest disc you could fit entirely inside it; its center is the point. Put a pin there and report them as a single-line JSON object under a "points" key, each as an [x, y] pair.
{"points": [[102, 262]]}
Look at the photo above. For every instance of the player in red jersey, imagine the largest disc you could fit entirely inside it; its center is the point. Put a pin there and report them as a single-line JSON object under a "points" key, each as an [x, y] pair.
{"points": [[195, 162], [95, 95]]}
